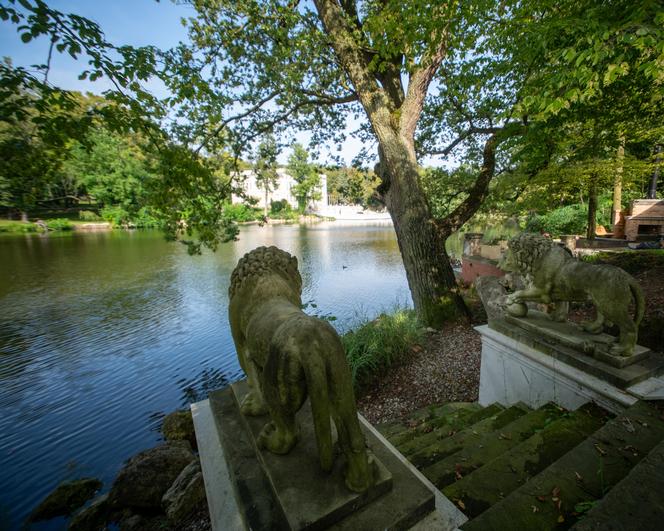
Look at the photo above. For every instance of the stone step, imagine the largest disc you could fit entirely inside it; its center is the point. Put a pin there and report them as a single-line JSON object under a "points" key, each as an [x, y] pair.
{"points": [[553, 498], [452, 444], [477, 453], [447, 426], [419, 421], [634, 503], [482, 488]]}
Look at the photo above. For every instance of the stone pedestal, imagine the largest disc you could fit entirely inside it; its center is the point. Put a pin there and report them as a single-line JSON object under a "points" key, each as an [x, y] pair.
{"points": [[291, 491], [519, 366]]}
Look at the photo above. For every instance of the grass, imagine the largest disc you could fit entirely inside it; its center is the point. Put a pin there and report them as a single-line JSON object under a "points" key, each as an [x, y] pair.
{"points": [[375, 345]]}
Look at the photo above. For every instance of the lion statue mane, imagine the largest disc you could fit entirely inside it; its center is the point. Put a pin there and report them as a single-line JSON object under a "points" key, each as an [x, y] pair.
{"points": [[287, 356], [553, 275]]}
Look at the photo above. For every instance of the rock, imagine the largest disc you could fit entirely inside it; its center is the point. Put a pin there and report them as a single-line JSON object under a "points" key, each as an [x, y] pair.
{"points": [[66, 498], [147, 476], [179, 426], [186, 493], [93, 517]]}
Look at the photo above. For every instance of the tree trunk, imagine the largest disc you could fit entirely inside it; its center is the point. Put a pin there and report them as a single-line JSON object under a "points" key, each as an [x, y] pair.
{"points": [[430, 275], [617, 183], [592, 207], [267, 191], [652, 189]]}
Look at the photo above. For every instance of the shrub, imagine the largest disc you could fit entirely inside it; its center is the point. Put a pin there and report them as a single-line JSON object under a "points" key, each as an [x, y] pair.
{"points": [[241, 212], [377, 344], [571, 219], [115, 215], [144, 220], [634, 262], [58, 224], [88, 215], [17, 226]]}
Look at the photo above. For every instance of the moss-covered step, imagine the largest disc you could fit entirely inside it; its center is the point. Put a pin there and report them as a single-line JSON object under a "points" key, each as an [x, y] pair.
{"points": [[446, 427], [634, 503], [491, 445], [557, 496], [482, 488], [452, 444], [418, 420]]}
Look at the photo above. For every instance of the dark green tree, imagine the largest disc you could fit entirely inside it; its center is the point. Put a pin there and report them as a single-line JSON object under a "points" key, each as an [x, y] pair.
{"points": [[307, 180]]}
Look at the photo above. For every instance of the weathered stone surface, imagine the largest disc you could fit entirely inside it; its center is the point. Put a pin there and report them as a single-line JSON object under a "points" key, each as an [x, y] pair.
{"points": [[454, 424], [179, 426], [396, 509], [452, 444], [496, 479], [93, 517], [583, 474], [489, 446], [186, 494], [147, 476], [66, 498], [556, 277], [634, 503], [493, 296], [289, 356]]}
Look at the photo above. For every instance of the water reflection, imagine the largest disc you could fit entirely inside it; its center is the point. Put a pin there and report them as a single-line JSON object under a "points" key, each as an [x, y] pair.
{"points": [[102, 334]]}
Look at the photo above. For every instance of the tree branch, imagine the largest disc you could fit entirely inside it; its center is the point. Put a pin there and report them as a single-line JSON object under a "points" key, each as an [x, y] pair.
{"points": [[463, 136]]}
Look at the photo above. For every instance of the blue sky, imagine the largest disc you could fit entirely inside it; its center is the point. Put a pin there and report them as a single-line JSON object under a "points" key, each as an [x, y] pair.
{"points": [[132, 22]]}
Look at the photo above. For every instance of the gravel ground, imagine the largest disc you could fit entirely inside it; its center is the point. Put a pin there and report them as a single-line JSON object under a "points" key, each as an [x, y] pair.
{"points": [[445, 368]]}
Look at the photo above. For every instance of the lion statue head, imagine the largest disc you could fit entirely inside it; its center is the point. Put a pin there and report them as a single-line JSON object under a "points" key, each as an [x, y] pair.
{"points": [[525, 252], [262, 262]]}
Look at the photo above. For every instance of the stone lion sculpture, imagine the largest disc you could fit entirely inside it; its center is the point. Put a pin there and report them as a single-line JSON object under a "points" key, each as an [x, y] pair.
{"points": [[552, 275], [288, 355]]}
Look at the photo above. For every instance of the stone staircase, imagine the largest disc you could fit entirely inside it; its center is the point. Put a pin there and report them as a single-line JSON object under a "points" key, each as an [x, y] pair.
{"points": [[548, 468]]}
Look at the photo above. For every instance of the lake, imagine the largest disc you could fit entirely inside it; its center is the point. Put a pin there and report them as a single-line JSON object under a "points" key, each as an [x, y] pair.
{"points": [[102, 334]]}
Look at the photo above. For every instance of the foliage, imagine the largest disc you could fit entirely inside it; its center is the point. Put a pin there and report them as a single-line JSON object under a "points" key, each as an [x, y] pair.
{"points": [[351, 186], [305, 175], [377, 344], [265, 167], [634, 262], [88, 215], [282, 210], [17, 226], [59, 224], [241, 212]]}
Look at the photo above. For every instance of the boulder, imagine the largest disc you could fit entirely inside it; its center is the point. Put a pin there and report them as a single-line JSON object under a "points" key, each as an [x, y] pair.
{"points": [[93, 517], [66, 498], [186, 494], [179, 426], [145, 478]]}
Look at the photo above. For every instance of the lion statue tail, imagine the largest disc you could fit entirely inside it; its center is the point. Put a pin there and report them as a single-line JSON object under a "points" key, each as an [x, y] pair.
{"points": [[316, 376], [639, 301]]}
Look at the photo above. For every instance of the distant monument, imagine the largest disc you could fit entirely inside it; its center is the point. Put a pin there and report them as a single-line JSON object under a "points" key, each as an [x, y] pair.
{"points": [[288, 355]]}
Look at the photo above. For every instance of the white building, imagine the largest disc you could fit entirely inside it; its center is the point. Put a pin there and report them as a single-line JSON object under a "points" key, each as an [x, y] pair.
{"points": [[282, 190]]}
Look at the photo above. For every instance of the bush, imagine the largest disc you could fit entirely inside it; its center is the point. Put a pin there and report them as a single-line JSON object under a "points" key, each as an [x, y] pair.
{"points": [[17, 226], [377, 344], [241, 212], [571, 219], [634, 262], [115, 215], [58, 224], [144, 220], [88, 215]]}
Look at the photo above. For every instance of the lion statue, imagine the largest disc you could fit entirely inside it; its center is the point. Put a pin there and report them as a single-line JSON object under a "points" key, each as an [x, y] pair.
{"points": [[288, 355], [552, 275]]}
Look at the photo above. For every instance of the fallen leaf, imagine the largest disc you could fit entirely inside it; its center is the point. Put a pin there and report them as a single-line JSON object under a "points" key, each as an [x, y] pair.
{"points": [[578, 476], [561, 519], [507, 436], [457, 471], [555, 491], [461, 505], [535, 509], [599, 449], [541, 498]]}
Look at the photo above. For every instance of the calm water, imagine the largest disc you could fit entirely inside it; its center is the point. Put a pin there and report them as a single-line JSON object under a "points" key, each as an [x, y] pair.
{"points": [[102, 334]]}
